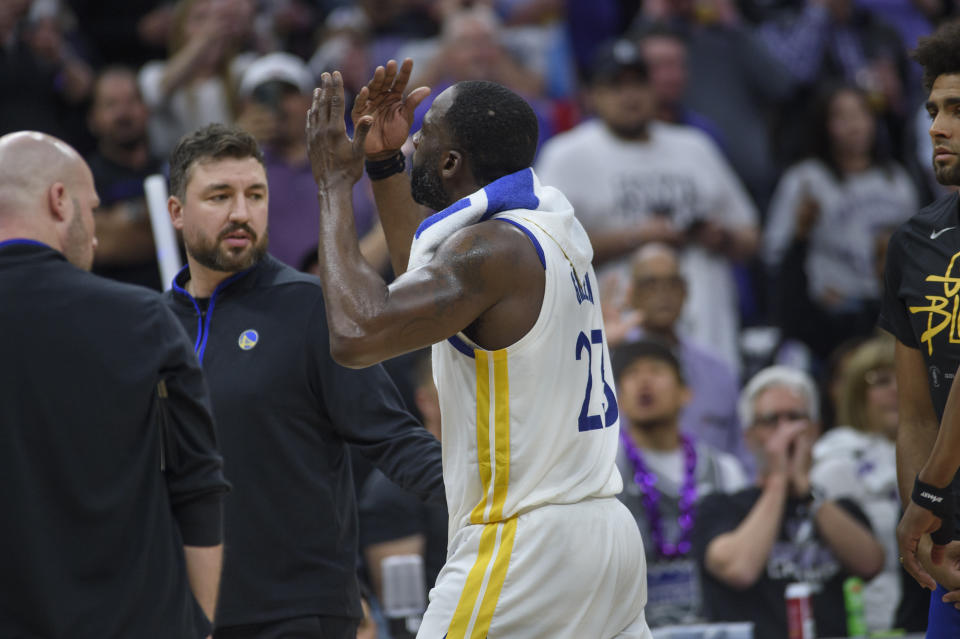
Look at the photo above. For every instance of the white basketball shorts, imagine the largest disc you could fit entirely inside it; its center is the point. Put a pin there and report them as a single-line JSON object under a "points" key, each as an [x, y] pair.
{"points": [[572, 571]]}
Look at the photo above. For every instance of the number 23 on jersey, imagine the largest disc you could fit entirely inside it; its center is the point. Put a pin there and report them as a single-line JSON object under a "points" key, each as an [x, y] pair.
{"points": [[592, 398]]}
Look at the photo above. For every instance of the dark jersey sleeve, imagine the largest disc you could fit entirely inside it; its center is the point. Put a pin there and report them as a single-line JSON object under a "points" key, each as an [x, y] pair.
{"points": [[367, 411], [894, 316], [189, 457]]}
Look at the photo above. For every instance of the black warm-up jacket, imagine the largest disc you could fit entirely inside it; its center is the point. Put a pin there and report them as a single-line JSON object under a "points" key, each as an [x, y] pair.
{"points": [[285, 413], [108, 459]]}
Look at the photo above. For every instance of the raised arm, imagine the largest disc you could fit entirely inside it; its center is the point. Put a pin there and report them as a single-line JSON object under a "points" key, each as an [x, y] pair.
{"points": [[200, 55], [471, 272], [850, 539], [392, 112]]}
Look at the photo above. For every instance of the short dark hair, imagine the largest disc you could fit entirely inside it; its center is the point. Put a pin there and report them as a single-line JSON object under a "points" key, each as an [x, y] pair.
{"points": [[212, 142], [494, 128], [939, 53], [646, 347]]}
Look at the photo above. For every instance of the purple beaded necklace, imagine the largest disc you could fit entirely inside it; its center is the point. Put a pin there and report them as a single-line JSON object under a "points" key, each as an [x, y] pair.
{"points": [[647, 481]]}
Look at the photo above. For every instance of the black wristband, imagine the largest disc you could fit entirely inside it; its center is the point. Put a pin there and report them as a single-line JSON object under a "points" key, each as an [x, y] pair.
{"points": [[382, 169], [939, 501]]}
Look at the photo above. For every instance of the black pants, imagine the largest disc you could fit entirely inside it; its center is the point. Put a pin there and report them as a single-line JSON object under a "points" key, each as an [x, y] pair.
{"points": [[296, 628]]}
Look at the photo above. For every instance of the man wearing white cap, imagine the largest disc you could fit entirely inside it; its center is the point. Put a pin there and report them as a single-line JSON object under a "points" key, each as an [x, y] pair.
{"points": [[275, 92]]}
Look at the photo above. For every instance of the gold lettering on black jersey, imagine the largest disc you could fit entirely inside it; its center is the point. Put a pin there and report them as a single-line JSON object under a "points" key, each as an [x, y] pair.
{"points": [[942, 309]]}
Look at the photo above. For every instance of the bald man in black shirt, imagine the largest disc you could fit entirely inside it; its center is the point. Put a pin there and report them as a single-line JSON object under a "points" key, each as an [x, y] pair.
{"points": [[112, 481]]}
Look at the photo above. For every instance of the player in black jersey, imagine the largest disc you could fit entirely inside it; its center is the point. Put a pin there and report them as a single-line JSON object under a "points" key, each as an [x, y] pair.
{"points": [[920, 307]]}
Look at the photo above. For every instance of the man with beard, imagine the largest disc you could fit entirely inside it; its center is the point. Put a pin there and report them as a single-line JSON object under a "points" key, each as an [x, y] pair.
{"points": [[118, 119], [919, 309], [499, 281], [286, 410], [112, 482], [633, 179]]}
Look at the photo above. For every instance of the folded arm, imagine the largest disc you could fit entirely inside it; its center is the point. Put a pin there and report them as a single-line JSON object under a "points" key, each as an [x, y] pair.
{"points": [[851, 542]]}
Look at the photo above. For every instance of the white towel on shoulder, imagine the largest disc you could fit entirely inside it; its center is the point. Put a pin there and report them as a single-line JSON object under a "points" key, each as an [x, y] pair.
{"points": [[520, 190]]}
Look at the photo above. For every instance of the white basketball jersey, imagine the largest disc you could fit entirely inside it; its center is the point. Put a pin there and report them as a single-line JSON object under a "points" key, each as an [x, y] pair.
{"points": [[537, 422]]}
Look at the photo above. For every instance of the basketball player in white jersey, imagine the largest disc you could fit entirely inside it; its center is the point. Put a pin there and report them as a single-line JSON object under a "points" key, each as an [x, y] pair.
{"points": [[499, 281]]}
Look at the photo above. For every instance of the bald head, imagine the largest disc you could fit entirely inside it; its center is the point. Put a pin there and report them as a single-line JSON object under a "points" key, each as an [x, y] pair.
{"points": [[658, 288], [658, 256], [47, 194], [30, 163]]}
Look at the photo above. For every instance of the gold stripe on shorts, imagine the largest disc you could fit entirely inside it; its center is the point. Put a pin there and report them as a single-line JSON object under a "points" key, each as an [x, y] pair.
{"points": [[497, 576], [496, 539]]}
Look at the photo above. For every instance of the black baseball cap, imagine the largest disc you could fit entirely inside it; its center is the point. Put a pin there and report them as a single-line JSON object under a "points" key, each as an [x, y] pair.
{"points": [[615, 57]]}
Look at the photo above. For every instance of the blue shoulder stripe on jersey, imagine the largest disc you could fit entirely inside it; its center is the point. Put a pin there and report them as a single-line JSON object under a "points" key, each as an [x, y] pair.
{"points": [[461, 346], [533, 238], [459, 205], [513, 191]]}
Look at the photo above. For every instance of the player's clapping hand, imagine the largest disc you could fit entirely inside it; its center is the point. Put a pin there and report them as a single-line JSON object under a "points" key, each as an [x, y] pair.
{"points": [[947, 572], [391, 111], [334, 157], [915, 523]]}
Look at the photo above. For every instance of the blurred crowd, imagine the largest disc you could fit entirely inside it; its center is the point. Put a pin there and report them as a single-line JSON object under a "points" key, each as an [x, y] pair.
{"points": [[739, 165]]}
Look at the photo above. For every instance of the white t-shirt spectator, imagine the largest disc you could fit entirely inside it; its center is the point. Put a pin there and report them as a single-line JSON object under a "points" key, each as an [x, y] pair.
{"points": [[614, 183], [852, 212]]}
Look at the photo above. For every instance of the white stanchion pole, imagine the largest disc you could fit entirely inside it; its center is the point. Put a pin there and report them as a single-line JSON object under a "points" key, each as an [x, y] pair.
{"points": [[164, 237]]}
